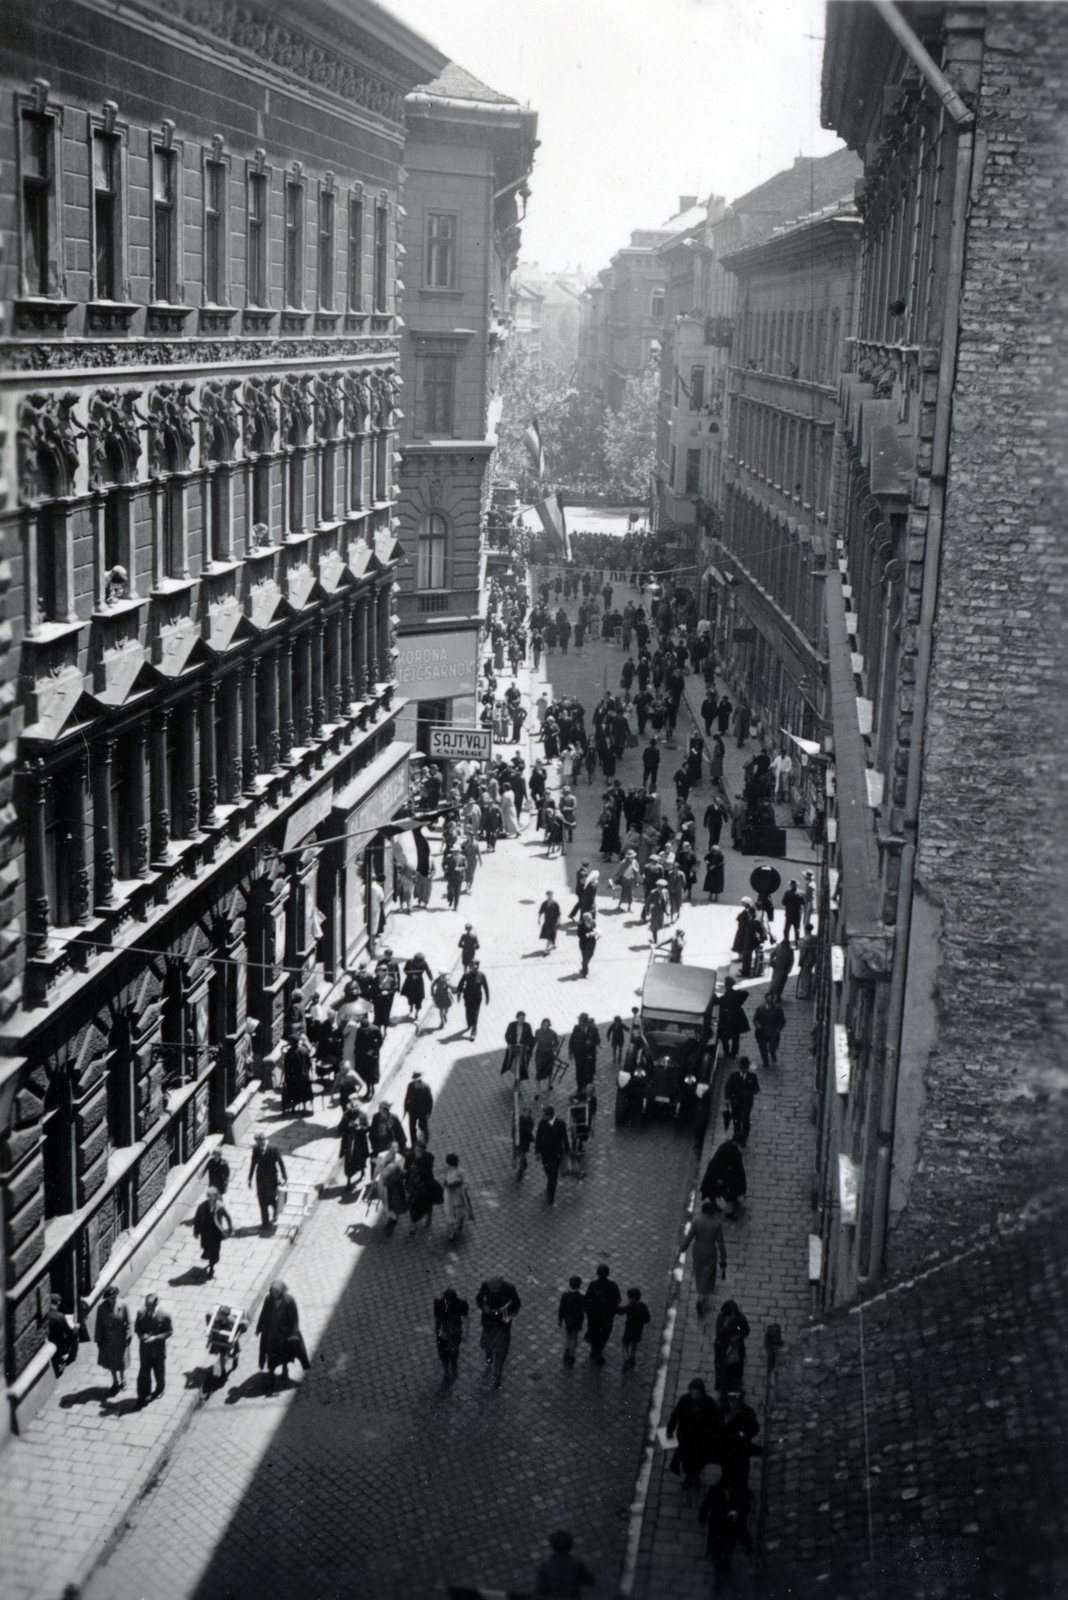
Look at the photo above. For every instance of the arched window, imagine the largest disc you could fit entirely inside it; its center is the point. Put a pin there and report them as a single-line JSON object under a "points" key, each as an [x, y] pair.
{"points": [[430, 564]]}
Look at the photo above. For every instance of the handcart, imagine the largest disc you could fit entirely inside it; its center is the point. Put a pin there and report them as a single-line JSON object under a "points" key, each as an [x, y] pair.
{"points": [[581, 1110], [226, 1324]]}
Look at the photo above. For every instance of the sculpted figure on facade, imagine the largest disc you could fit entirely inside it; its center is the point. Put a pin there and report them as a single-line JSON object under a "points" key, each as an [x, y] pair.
{"points": [[261, 413], [114, 427], [220, 417], [171, 431], [48, 434]]}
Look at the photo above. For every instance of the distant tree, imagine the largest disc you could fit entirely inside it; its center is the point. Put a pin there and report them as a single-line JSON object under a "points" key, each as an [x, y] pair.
{"points": [[630, 437], [570, 426]]}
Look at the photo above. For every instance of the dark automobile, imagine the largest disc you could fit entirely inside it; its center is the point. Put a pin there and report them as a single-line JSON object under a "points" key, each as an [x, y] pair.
{"points": [[669, 1062]]}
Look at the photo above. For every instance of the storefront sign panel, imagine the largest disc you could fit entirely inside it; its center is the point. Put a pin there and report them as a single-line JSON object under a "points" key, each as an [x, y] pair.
{"points": [[461, 744], [438, 666]]}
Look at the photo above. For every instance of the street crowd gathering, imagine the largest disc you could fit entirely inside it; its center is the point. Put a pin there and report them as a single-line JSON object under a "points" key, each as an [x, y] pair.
{"points": [[646, 853]]}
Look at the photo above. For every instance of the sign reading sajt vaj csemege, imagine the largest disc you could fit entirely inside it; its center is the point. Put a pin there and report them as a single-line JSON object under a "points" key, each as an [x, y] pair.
{"points": [[461, 744]]}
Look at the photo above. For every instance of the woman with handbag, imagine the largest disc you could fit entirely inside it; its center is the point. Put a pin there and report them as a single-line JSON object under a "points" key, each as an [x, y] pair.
{"points": [[281, 1340], [424, 1190], [212, 1224], [111, 1333]]}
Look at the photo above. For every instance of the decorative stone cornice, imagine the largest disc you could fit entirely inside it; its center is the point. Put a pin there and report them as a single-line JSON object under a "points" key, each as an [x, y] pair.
{"points": [[92, 355]]}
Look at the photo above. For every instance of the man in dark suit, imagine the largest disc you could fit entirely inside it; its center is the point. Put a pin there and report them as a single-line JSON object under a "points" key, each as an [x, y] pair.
{"points": [[603, 1300], [551, 1145], [499, 1304], [519, 1045]]}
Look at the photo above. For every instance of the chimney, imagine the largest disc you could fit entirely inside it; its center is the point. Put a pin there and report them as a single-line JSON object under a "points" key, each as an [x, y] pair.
{"points": [[687, 202]]}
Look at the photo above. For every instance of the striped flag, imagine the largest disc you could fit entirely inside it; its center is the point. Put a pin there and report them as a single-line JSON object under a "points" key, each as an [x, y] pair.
{"points": [[551, 515], [535, 448]]}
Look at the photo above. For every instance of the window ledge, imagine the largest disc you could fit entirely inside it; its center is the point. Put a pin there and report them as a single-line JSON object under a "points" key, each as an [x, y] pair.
{"points": [[120, 608], [440, 294], [294, 321], [257, 319], [327, 321], [221, 569], [215, 319], [164, 318], [170, 586], [48, 632], [109, 316], [43, 314], [261, 552]]}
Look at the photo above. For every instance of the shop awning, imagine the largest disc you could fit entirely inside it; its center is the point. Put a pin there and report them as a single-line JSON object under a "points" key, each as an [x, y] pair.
{"points": [[811, 747]]}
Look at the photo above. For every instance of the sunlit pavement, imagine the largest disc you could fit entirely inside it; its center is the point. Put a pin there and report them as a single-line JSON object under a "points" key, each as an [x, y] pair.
{"points": [[368, 1475]]}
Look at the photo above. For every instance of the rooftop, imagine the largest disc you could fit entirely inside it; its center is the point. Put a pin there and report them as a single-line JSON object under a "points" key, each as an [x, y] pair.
{"points": [[456, 83]]}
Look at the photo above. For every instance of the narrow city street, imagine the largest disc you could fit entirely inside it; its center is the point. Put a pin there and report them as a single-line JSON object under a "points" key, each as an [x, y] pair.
{"points": [[370, 1476]]}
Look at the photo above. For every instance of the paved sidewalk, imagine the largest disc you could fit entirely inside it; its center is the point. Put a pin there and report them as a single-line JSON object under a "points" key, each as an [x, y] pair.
{"points": [[68, 1481], [767, 1257]]}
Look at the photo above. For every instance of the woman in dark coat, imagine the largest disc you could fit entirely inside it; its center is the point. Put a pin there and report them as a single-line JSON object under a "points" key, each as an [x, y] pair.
{"points": [[385, 988], [355, 1144], [715, 864], [416, 977], [424, 1190], [549, 915], [297, 1087], [732, 1330], [715, 760], [111, 1334], [696, 1422], [693, 760], [281, 1340], [725, 1176], [733, 1021], [212, 1224], [450, 1313]]}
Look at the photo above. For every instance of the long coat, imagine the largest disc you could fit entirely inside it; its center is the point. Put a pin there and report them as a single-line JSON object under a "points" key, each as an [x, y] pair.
{"points": [[111, 1333], [279, 1324], [269, 1170], [697, 1423], [709, 1250], [603, 1300], [208, 1227], [725, 1173]]}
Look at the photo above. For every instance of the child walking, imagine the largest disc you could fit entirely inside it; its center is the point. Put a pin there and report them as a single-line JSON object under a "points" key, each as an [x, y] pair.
{"points": [[571, 1316], [635, 1315]]}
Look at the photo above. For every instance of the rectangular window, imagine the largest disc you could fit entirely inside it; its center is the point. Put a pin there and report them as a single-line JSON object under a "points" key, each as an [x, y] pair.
{"points": [[430, 562], [215, 233], [693, 472], [327, 250], [257, 238], [441, 251], [294, 263], [697, 388], [439, 373], [381, 256], [355, 262], [165, 224], [107, 215], [38, 201], [674, 456]]}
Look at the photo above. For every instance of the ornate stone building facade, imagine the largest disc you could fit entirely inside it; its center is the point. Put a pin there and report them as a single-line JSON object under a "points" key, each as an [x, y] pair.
{"points": [[199, 387]]}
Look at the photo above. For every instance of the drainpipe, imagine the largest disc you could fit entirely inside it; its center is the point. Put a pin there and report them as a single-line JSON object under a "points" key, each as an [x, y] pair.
{"points": [[965, 121]]}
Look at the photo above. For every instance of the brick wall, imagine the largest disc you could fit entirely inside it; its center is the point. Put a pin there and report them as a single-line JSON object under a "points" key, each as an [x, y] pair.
{"points": [[993, 852]]}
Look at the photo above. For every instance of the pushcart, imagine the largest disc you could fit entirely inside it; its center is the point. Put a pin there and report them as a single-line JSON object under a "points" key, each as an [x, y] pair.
{"points": [[226, 1324], [581, 1110]]}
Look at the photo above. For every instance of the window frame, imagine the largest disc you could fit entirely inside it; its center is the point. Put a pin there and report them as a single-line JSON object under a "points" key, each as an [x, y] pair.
{"points": [[692, 479], [294, 255], [103, 128], [216, 161], [430, 426], [38, 107], [451, 251], [257, 232], [436, 542], [171, 149], [326, 246], [697, 386], [380, 285], [354, 289], [658, 293]]}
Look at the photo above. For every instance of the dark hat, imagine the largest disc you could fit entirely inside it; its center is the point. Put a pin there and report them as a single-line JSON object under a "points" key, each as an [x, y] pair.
{"points": [[561, 1541]]}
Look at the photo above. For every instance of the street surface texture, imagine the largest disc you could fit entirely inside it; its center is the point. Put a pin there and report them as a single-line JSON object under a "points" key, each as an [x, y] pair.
{"points": [[368, 1475]]}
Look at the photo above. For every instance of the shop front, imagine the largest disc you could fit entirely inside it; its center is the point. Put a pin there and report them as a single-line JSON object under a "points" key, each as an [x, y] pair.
{"points": [[438, 672], [365, 870]]}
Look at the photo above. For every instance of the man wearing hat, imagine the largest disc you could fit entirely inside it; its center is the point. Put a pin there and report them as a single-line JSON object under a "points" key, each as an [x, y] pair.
{"points": [[561, 1575], [153, 1328], [793, 904], [626, 878], [749, 937], [418, 1104], [519, 1046], [366, 1050], [386, 1129], [472, 989], [582, 1048], [269, 1171]]}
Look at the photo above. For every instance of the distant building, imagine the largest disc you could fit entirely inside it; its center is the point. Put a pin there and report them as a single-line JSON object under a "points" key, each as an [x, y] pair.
{"points": [[545, 311], [468, 157], [526, 303], [622, 321], [697, 341]]}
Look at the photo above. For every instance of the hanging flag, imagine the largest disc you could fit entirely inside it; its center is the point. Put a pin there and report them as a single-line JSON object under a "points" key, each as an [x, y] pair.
{"points": [[535, 448], [551, 515]]}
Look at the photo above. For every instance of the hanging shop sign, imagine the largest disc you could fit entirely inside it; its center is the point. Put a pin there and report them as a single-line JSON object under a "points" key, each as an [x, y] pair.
{"points": [[460, 744], [438, 666]]}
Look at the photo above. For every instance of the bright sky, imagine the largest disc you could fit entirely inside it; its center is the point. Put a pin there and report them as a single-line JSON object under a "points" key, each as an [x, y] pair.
{"points": [[639, 102]]}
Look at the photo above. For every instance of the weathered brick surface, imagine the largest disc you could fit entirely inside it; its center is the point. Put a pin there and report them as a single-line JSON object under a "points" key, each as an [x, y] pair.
{"points": [[993, 849], [919, 1432]]}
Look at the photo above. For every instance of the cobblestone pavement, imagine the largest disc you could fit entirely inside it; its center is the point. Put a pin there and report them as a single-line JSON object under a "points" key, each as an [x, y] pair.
{"points": [[369, 1477]]}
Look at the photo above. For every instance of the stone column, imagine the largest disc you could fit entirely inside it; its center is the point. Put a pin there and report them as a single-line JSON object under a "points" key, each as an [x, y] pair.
{"points": [[161, 816], [269, 701], [318, 630], [333, 666], [232, 777], [251, 752], [135, 748], [360, 647], [286, 729], [209, 783], [37, 908], [347, 694], [304, 688], [190, 769], [103, 853], [385, 660]]}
